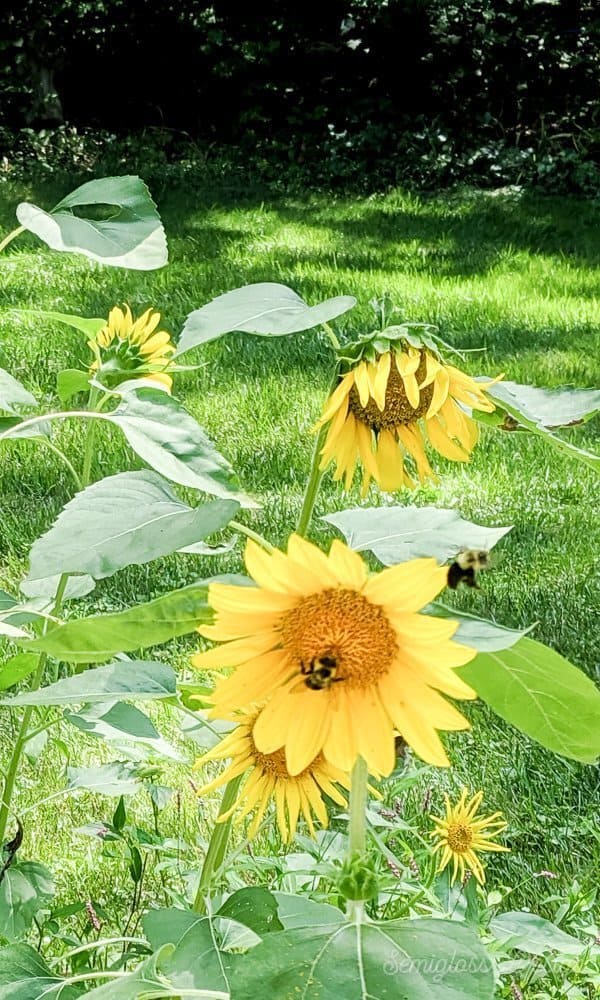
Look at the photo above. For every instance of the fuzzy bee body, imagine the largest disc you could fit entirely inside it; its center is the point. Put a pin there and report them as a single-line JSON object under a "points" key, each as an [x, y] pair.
{"points": [[465, 567], [320, 673]]}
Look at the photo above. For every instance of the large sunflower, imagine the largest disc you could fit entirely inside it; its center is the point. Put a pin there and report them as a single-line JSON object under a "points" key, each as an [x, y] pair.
{"points": [[385, 409], [343, 656], [461, 836], [268, 778], [126, 348]]}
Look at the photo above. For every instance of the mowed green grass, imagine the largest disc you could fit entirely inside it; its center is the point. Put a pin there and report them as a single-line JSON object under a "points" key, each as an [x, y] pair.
{"points": [[515, 275]]}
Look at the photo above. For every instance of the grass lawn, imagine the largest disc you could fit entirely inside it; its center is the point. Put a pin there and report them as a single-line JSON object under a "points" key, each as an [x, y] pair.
{"points": [[516, 275]]}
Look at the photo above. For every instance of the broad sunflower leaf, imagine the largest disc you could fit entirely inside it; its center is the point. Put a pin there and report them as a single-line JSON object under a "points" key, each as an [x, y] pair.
{"points": [[420, 959], [548, 408], [538, 410], [196, 965], [146, 981], [396, 534], [266, 309], [481, 634], [123, 680], [87, 325], [13, 395], [77, 587], [254, 907], [121, 226], [117, 778], [24, 975], [532, 934], [118, 722], [123, 520], [71, 381], [537, 690], [301, 911], [17, 669], [26, 887], [170, 440], [94, 639]]}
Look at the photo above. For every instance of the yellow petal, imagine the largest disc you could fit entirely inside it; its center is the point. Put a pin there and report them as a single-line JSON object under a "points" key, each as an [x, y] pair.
{"points": [[347, 565], [337, 398], [443, 443], [441, 386], [380, 380], [361, 381], [408, 586], [232, 654], [389, 462]]}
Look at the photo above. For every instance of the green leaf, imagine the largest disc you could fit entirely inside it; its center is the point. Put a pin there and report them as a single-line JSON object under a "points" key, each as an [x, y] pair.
{"points": [[196, 964], [483, 635], [10, 429], [266, 309], [71, 381], [396, 534], [24, 975], [127, 519], [8, 631], [542, 694], [77, 586], [168, 438], [420, 959], [94, 639], [532, 408], [16, 669], [145, 981], [124, 680], [117, 778], [27, 887], [300, 911], [254, 907], [120, 815], [548, 408], [532, 934], [87, 325], [119, 722], [167, 926], [13, 395], [130, 234]]}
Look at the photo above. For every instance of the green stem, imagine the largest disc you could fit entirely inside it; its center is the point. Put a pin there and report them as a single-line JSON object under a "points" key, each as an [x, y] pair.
{"points": [[22, 736], [217, 846], [65, 462], [332, 337], [315, 476], [249, 533], [11, 236], [358, 803], [89, 439]]}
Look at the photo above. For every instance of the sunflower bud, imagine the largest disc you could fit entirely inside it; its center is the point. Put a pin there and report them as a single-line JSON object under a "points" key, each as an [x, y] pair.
{"points": [[358, 878]]}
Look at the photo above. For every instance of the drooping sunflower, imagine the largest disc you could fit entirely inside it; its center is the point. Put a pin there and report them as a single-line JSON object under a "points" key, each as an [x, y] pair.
{"points": [[385, 409], [343, 657], [460, 836], [268, 778], [126, 348]]}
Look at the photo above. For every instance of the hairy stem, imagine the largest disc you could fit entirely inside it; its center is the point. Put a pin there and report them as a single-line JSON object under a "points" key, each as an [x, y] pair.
{"points": [[249, 533]]}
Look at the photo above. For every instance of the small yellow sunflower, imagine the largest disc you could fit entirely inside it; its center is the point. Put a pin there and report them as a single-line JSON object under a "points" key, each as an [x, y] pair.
{"points": [[384, 410], [268, 778], [343, 657], [127, 349], [460, 836]]}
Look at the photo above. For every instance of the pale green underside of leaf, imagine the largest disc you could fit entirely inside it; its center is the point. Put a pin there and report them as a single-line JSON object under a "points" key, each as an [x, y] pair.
{"points": [[265, 309]]}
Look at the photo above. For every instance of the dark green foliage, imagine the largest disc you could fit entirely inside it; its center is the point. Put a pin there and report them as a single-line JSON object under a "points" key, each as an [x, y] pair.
{"points": [[428, 91]]}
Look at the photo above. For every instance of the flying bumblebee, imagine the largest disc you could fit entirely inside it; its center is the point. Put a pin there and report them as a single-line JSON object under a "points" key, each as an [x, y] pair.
{"points": [[320, 673], [465, 567]]}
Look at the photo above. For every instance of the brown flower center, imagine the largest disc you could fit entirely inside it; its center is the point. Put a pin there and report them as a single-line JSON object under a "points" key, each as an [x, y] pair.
{"points": [[460, 837], [344, 627], [397, 409]]}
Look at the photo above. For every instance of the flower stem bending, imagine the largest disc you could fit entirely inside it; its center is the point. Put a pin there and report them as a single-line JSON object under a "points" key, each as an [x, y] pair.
{"points": [[217, 845]]}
